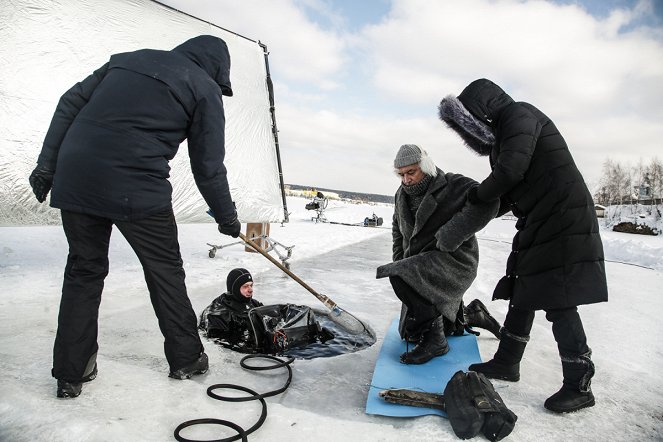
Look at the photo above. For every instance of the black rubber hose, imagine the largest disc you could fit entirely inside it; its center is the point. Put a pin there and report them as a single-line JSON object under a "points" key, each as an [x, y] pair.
{"points": [[241, 433]]}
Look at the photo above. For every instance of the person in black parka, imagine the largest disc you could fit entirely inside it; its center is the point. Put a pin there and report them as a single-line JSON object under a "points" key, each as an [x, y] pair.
{"points": [[106, 156], [557, 259]]}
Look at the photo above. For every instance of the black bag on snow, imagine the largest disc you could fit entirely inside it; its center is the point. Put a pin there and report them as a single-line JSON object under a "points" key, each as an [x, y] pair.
{"points": [[473, 406], [279, 327]]}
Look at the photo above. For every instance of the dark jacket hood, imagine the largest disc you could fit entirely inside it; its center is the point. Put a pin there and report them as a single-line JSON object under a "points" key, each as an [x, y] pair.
{"points": [[473, 113], [211, 54], [485, 100]]}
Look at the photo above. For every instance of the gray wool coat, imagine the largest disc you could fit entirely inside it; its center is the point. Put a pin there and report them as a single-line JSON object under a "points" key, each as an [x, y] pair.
{"points": [[436, 252]]}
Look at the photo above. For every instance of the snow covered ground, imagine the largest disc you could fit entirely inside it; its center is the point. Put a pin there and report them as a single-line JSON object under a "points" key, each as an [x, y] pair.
{"points": [[132, 399]]}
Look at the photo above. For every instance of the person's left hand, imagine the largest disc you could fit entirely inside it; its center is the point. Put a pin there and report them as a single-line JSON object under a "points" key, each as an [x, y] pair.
{"points": [[231, 228], [41, 181]]}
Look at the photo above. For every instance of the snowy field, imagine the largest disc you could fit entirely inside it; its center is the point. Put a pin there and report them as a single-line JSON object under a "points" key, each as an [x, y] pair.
{"points": [[132, 398]]}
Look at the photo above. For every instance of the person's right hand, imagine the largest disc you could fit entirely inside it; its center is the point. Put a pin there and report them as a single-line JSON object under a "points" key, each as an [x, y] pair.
{"points": [[231, 228], [41, 181]]}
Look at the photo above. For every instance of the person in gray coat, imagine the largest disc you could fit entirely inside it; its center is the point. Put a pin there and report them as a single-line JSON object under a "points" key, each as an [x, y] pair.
{"points": [[435, 251]]}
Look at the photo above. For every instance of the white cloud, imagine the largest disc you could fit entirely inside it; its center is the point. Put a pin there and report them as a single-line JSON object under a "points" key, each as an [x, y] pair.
{"points": [[301, 50], [600, 80], [535, 49], [602, 85]]}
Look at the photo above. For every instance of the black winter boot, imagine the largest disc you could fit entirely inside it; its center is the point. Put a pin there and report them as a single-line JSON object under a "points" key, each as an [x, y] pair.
{"points": [[576, 392], [505, 365], [68, 389], [200, 366], [477, 315], [411, 330], [433, 343]]}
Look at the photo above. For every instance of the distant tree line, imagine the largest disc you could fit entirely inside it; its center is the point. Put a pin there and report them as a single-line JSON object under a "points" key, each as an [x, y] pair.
{"points": [[344, 194], [626, 184]]}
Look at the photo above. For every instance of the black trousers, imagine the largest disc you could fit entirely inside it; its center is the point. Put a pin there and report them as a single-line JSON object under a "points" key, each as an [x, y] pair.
{"points": [[566, 326], [419, 313], [154, 240]]}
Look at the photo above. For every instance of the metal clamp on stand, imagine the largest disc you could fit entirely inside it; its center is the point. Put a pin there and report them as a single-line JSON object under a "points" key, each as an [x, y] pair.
{"points": [[259, 232]]}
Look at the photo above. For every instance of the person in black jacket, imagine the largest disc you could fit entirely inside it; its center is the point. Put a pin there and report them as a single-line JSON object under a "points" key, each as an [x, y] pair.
{"points": [[227, 317], [557, 260], [106, 156]]}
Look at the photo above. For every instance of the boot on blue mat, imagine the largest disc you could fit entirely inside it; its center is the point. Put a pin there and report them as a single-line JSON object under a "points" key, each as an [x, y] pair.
{"points": [[432, 343]]}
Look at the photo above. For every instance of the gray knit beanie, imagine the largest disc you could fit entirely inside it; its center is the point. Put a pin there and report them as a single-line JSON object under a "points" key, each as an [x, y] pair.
{"points": [[407, 154]]}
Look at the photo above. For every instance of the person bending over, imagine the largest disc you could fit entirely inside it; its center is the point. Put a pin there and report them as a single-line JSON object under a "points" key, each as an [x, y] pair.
{"points": [[106, 156], [556, 261]]}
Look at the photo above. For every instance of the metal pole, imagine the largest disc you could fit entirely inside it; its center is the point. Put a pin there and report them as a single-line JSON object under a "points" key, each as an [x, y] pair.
{"points": [[275, 132]]}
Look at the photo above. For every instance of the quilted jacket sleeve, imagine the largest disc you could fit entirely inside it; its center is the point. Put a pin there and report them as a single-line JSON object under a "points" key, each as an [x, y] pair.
{"points": [[517, 134]]}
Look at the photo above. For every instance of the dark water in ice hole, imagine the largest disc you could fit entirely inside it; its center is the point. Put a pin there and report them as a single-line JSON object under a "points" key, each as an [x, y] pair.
{"points": [[342, 342]]}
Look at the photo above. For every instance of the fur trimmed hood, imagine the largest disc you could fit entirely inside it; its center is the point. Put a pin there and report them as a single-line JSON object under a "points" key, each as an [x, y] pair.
{"points": [[473, 113], [476, 135]]}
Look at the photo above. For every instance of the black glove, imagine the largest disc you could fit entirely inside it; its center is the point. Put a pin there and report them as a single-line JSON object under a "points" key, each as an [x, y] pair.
{"points": [[41, 180], [472, 196], [231, 228]]}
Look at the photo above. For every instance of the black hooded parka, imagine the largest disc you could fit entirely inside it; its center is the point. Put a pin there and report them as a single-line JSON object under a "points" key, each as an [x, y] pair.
{"points": [[113, 134], [557, 255]]}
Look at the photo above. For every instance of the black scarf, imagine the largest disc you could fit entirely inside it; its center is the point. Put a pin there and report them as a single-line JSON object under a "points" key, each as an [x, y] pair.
{"points": [[415, 193]]}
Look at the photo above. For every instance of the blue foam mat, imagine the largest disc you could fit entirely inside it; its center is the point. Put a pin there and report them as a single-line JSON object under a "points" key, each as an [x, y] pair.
{"points": [[431, 377]]}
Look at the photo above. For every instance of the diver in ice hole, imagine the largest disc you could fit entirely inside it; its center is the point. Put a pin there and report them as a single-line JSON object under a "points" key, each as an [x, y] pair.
{"points": [[227, 317], [237, 321]]}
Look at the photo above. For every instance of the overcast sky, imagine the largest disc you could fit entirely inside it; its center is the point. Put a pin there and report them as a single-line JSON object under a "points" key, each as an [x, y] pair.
{"points": [[356, 79]]}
